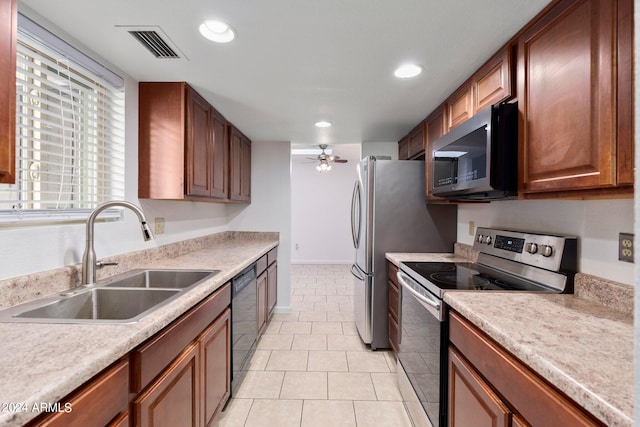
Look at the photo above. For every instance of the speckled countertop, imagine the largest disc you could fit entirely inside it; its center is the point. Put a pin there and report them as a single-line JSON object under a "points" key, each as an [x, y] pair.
{"points": [[45, 362], [582, 343]]}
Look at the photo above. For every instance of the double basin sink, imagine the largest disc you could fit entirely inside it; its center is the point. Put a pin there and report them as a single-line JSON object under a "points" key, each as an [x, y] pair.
{"points": [[123, 299]]}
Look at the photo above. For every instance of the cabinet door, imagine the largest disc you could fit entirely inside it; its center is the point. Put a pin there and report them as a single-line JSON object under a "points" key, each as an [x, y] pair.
{"points": [[245, 168], [403, 148], [471, 400], [220, 147], [215, 353], [261, 301], [460, 106], [567, 98], [416, 141], [8, 13], [199, 162], [435, 125], [240, 166], [493, 83], [173, 399], [625, 154], [272, 291]]}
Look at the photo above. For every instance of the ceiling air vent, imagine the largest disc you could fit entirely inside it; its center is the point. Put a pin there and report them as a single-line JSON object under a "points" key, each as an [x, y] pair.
{"points": [[155, 40]]}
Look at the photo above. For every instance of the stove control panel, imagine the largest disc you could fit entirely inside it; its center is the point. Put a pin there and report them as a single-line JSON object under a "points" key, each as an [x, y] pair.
{"points": [[551, 252]]}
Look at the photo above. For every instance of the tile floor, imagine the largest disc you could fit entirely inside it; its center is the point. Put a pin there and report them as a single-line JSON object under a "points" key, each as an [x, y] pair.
{"points": [[310, 367]]}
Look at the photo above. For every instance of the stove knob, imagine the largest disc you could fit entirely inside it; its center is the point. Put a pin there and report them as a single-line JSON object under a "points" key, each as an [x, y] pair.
{"points": [[488, 240], [546, 251], [531, 247], [480, 238]]}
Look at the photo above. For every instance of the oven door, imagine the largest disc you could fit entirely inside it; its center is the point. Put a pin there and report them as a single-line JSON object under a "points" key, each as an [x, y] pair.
{"points": [[422, 371]]}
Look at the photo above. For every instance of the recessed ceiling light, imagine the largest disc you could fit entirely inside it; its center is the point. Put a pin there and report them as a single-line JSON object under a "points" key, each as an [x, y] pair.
{"points": [[323, 124], [217, 31], [407, 71]]}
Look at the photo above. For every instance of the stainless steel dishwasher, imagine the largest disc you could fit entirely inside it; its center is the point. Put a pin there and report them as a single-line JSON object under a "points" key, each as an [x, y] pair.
{"points": [[244, 324]]}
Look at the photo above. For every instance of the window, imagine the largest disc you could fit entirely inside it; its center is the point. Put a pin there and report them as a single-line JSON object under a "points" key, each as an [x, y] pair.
{"points": [[69, 131]]}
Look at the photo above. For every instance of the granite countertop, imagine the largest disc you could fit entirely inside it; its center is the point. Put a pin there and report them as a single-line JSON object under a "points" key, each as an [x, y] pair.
{"points": [[576, 342], [45, 362]]}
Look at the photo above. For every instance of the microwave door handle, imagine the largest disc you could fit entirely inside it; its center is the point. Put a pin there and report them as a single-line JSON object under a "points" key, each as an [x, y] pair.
{"points": [[404, 279]]}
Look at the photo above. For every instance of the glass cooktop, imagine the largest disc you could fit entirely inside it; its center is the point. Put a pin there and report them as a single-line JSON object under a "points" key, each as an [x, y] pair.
{"points": [[466, 276]]}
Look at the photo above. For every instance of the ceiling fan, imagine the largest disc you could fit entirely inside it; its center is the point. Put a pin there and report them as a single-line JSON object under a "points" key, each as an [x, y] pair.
{"points": [[324, 160]]}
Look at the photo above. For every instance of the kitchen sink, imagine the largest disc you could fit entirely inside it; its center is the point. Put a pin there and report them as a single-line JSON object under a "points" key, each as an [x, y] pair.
{"points": [[122, 299], [102, 304], [160, 279]]}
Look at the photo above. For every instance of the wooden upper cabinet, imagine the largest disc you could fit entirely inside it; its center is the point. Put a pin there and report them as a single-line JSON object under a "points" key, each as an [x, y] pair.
{"points": [[403, 148], [411, 147], [199, 163], [220, 141], [625, 125], [435, 126], [8, 28], [239, 166], [568, 99], [416, 141], [183, 146], [493, 83], [460, 105]]}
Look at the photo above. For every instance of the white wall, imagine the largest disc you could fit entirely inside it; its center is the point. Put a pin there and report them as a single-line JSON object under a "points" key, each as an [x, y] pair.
{"points": [[321, 206], [596, 223], [270, 208]]}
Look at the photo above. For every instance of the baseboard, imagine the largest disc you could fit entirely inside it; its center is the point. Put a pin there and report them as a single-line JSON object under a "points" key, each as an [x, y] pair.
{"points": [[282, 309], [323, 261]]}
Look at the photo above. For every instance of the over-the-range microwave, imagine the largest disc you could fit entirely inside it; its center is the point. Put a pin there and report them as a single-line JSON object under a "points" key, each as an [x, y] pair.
{"points": [[478, 160]]}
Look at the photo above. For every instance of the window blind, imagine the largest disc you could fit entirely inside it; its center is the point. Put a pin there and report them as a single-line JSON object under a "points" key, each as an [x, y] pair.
{"points": [[69, 135]]}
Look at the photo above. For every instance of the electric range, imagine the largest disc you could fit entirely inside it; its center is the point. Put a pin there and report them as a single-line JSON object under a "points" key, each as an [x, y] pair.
{"points": [[508, 261]]}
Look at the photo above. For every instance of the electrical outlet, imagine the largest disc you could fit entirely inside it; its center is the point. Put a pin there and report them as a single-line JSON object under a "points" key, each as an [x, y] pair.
{"points": [[472, 228], [159, 226], [625, 247]]}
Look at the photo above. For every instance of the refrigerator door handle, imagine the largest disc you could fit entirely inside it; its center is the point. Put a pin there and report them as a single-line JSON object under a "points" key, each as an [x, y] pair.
{"points": [[355, 219], [356, 272]]}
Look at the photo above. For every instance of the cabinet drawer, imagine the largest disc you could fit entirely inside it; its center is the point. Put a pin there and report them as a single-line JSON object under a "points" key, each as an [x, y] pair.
{"points": [[96, 403], [148, 360], [537, 401], [394, 298], [272, 255], [261, 264], [393, 271]]}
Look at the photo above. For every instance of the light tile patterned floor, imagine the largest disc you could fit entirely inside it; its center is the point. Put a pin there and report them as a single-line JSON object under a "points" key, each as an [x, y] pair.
{"points": [[311, 368]]}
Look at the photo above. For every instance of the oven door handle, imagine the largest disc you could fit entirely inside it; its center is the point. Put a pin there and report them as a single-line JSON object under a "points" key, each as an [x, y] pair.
{"points": [[405, 280]]}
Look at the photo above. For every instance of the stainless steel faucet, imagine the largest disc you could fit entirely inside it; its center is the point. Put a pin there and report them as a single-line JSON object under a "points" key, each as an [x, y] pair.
{"points": [[89, 262]]}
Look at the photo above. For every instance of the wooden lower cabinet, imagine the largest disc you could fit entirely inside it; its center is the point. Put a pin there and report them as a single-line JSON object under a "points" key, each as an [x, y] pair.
{"points": [[394, 301], [472, 402], [490, 387], [215, 356], [261, 301], [173, 399], [272, 288], [102, 401]]}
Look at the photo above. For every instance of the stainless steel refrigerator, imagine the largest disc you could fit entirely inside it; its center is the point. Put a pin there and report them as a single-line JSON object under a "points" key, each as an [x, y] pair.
{"points": [[389, 214]]}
